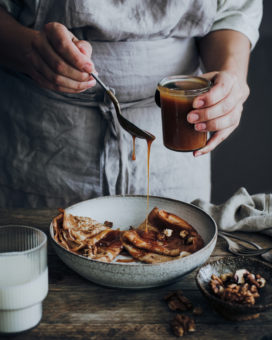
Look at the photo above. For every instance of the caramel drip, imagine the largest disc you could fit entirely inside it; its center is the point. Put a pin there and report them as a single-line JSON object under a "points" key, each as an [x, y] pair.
{"points": [[133, 129], [149, 142], [133, 149]]}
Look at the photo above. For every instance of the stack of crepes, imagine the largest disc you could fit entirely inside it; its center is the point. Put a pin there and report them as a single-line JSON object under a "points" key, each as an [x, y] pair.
{"points": [[162, 237]]}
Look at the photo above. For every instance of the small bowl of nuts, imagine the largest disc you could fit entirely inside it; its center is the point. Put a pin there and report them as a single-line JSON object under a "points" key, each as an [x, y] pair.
{"points": [[239, 288]]}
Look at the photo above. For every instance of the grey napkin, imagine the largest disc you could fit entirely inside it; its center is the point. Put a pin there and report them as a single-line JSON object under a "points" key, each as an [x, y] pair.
{"points": [[242, 212]]}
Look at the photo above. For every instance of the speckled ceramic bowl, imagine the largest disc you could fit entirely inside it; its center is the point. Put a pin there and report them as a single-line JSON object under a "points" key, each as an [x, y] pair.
{"points": [[235, 311], [125, 211]]}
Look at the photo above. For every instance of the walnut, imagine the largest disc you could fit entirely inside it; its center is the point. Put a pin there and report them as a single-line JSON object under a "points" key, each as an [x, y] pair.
{"points": [[217, 285], [183, 233], [239, 294], [250, 300], [184, 300], [239, 275], [169, 295], [214, 277], [190, 240], [168, 232], [251, 279], [261, 281], [161, 236], [177, 328], [226, 276], [197, 310], [175, 304], [182, 324], [244, 290], [108, 224], [254, 291], [177, 301]]}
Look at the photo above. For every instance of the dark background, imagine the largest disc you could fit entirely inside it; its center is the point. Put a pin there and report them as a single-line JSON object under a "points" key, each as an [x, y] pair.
{"points": [[245, 158]]}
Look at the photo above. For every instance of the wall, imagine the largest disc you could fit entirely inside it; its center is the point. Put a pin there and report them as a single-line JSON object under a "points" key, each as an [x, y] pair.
{"points": [[245, 158]]}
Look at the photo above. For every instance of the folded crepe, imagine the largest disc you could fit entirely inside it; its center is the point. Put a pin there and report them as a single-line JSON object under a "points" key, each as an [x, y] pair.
{"points": [[162, 237], [87, 237]]}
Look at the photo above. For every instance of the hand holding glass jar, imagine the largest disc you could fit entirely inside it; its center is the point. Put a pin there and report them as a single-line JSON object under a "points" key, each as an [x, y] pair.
{"points": [[220, 109], [192, 107]]}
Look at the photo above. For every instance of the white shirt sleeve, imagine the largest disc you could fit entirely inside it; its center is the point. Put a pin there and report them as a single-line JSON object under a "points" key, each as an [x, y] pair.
{"points": [[239, 15]]}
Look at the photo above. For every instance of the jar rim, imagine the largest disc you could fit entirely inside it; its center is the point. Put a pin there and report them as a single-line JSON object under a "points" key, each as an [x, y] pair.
{"points": [[188, 92]]}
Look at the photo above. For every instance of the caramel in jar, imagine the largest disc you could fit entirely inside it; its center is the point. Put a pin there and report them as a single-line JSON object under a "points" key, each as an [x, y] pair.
{"points": [[176, 98]]}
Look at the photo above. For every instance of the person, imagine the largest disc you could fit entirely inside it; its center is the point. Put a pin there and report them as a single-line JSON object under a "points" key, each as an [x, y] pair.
{"points": [[60, 141]]}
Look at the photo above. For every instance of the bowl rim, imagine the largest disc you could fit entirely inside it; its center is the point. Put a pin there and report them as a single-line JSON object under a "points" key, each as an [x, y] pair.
{"points": [[217, 300], [213, 239]]}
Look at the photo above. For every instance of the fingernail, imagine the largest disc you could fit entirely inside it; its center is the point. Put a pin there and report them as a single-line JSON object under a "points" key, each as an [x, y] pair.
{"points": [[91, 83], [200, 126], [82, 50], [197, 154], [87, 68], [192, 117], [198, 103]]}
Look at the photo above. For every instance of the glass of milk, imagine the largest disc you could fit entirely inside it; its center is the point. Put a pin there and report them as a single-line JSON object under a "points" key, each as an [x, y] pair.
{"points": [[23, 277]]}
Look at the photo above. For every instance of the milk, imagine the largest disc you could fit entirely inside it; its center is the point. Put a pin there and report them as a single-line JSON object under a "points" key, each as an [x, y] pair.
{"points": [[22, 290]]}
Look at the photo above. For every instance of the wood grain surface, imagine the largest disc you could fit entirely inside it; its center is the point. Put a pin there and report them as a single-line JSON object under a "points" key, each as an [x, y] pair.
{"points": [[78, 309]]}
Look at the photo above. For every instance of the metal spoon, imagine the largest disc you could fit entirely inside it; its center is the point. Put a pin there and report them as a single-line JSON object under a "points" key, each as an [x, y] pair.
{"points": [[127, 125]]}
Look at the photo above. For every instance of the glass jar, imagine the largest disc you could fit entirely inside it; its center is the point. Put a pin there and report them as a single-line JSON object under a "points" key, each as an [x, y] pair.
{"points": [[176, 95]]}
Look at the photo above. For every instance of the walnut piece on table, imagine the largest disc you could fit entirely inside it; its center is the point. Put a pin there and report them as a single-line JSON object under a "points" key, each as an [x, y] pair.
{"points": [[197, 310], [182, 324], [178, 302]]}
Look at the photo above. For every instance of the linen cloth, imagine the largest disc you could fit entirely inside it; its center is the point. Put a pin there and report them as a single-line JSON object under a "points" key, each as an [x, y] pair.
{"points": [[241, 212], [57, 149]]}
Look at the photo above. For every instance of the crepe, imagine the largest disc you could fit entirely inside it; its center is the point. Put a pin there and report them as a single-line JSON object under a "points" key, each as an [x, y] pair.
{"points": [[87, 237], [162, 237]]}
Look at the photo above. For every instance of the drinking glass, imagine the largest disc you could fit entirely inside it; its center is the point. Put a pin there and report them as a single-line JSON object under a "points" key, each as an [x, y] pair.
{"points": [[23, 277]]}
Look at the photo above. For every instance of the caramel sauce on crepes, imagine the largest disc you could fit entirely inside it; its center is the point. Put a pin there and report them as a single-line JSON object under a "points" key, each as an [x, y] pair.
{"points": [[111, 239], [125, 260], [167, 236]]}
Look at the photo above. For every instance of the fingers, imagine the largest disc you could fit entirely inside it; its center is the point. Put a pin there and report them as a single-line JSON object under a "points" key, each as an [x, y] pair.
{"points": [[219, 116], [223, 126], [43, 82], [55, 62], [58, 81], [217, 138], [219, 109], [58, 59], [223, 122], [84, 47], [223, 83], [62, 41]]}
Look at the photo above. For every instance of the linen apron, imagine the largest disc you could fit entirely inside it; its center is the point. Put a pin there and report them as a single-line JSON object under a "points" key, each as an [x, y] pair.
{"points": [[58, 149]]}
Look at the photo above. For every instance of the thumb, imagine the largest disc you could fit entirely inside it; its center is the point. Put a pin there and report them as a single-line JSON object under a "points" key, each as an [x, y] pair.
{"points": [[84, 47]]}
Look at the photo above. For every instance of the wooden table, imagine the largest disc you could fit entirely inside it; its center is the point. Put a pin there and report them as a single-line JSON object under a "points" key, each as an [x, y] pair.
{"points": [[78, 309]]}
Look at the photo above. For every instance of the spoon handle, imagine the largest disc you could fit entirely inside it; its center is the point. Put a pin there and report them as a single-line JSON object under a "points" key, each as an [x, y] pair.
{"points": [[105, 87]]}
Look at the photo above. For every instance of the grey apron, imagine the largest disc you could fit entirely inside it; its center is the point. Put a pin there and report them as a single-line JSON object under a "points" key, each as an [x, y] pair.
{"points": [[58, 148]]}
